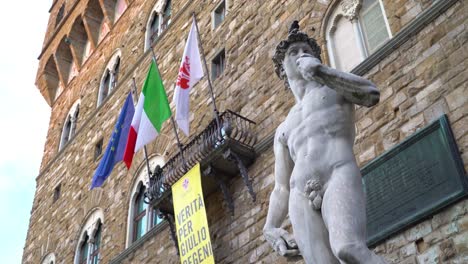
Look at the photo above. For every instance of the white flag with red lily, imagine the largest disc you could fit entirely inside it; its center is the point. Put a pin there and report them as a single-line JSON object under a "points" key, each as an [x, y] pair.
{"points": [[190, 73]]}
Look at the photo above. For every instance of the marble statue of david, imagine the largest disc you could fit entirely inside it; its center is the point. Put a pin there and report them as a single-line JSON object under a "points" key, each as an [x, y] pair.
{"points": [[317, 180]]}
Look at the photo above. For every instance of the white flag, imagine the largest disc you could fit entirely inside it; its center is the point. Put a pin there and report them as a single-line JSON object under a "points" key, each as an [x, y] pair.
{"points": [[190, 73]]}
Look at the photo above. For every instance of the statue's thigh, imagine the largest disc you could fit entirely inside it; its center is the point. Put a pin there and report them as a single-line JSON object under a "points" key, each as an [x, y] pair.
{"points": [[309, 230], [343, 206]]}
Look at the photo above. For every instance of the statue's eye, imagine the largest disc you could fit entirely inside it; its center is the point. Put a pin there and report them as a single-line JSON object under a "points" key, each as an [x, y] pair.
{"points": [[293, 52]]}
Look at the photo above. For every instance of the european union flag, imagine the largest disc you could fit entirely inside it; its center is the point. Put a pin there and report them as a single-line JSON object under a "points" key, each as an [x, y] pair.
{"points": [[115, 148]]}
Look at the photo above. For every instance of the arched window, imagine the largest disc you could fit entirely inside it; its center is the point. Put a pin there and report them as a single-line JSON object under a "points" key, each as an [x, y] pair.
{"points": [[60, 14], [49, 259], [65, 63], [79, 41], [120, 7], [89, 243], [155, 218], [166, 15], [95, 246], [141, 216], [154, 28], [84, 250], [159, 20], [94, 17], [115, 73], [52, 79], [109, 78], [69, 127], [354, 30]]}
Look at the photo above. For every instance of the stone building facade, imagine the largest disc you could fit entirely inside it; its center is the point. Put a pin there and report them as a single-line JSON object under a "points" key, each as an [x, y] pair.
{"points": [[94, 49]]}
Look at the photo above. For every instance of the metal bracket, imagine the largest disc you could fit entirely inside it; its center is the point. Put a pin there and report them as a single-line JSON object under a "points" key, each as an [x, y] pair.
{"points": [[154, 185], [170, 219], [232, 156], [210, 171]]}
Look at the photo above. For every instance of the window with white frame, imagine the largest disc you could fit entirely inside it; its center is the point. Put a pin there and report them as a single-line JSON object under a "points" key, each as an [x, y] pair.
{"points": [[219, 14], [141, 216], [218, 64], [109, 78], [154, 28], [69, 126], [166, 15], [49, 259], [159, 20], [89, 241], [354, 30]]}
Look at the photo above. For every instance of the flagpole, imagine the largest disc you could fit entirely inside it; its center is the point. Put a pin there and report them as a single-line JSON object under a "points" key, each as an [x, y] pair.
{"points": [[133, 91], [215, 109], [172, 119]]}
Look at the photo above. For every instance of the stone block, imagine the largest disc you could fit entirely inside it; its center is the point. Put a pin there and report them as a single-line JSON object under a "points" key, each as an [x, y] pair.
{"points": [[457, 98], [398, 99], [447, 250], [412, 125], [408, 250], [451, 214], [395, 243], [367, 155], [460, 243], [462, 224], [429, 89], [435, 111], [431, 256], [410, 260], [418, 231]]}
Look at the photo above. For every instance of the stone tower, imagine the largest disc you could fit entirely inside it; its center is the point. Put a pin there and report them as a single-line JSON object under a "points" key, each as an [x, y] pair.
{"points": [[93, 51]]}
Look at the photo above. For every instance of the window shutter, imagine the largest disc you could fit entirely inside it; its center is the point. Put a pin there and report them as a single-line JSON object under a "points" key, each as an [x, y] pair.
{"points": [[374, 28]]}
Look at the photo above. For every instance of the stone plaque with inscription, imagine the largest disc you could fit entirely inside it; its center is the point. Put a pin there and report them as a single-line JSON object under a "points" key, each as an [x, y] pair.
{"points": [[413, 180]]}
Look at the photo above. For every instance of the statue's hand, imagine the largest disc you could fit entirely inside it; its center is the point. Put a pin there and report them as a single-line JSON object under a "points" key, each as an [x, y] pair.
{"points": [[281, 241], [307, 66]]}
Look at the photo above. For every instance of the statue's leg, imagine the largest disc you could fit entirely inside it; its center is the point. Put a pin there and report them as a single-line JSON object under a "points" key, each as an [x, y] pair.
{"points": [[309, 230], [344, 213]]}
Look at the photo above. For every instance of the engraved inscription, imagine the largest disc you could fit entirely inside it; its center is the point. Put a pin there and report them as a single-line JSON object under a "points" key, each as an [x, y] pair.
{"points": [[396, 183], [414, 179]]}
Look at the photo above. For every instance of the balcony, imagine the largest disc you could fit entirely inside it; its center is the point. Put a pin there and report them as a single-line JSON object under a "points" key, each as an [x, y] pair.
{"points": [[223, 152]]}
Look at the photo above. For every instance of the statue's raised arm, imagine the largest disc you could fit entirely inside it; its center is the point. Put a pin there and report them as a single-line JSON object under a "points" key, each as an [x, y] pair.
{"points": [[354, 88]]}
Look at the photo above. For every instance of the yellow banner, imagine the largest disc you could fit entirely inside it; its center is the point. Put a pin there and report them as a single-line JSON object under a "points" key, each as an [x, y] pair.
{"points": [[191, 222]]}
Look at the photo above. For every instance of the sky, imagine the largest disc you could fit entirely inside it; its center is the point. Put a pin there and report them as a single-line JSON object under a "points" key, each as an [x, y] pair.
{"points": [[24, 117]]}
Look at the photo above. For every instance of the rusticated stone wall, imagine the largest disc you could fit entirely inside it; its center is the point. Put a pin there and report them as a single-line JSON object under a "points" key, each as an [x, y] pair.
{"points": [[422, 79]]}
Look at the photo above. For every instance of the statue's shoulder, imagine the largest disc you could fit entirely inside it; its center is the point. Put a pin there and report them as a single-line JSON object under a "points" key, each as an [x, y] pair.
{"points": [[279, 129], [281, 133]]}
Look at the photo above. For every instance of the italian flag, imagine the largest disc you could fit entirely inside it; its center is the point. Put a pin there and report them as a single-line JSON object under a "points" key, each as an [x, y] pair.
{"points": [[151, 111]]}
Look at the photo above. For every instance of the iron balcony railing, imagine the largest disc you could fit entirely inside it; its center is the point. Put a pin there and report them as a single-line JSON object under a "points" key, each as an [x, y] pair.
{"points": [[235, 130]]}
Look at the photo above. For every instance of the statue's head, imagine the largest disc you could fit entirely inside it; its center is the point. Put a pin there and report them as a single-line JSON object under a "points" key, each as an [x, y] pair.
{"points": [[294, 36]]}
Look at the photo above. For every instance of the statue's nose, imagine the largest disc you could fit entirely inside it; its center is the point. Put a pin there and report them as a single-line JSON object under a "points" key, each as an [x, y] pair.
{"points": [[303, 54]]}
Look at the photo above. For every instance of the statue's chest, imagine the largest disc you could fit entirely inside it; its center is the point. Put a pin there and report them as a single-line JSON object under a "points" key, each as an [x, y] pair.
{"points": [[292, 125], [318, 100], [318, 109]]}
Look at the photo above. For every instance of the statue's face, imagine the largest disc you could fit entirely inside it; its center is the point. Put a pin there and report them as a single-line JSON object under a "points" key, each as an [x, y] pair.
{"points": [[295, 51]]}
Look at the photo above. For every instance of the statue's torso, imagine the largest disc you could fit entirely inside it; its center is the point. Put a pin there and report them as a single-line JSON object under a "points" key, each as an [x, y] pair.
{"points": [[319, 132]]}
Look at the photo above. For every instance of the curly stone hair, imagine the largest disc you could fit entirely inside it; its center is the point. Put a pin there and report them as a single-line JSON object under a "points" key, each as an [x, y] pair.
{"points": [[295, 35]]}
